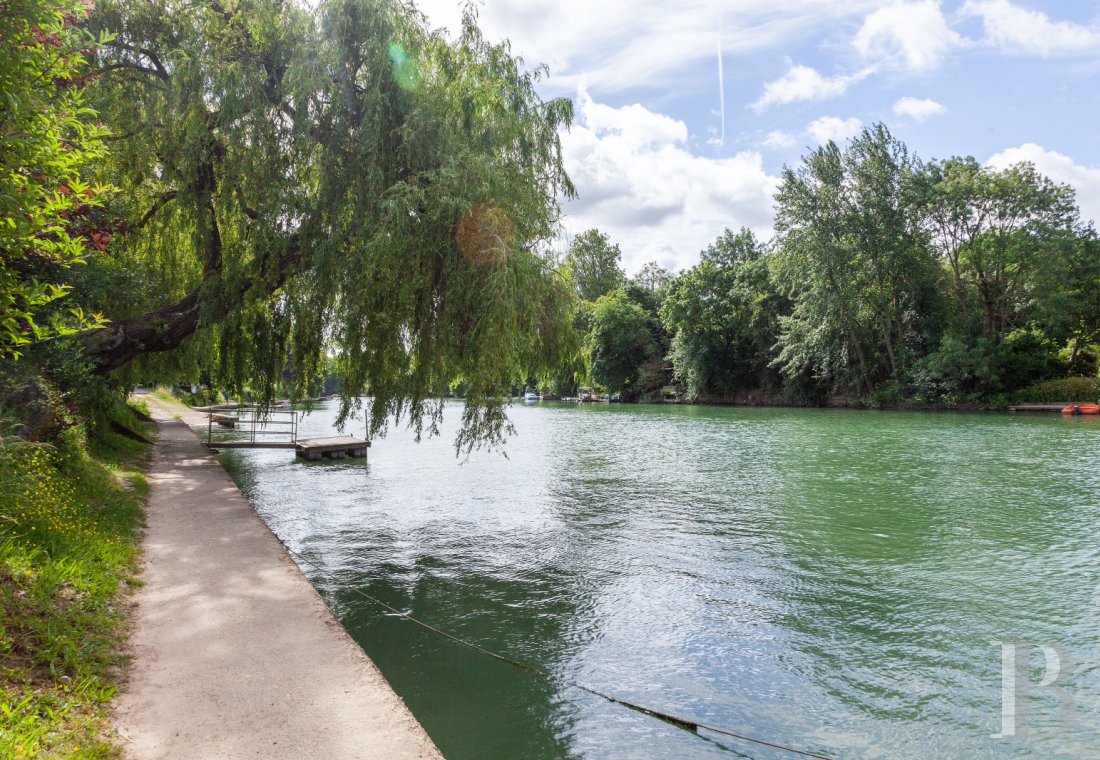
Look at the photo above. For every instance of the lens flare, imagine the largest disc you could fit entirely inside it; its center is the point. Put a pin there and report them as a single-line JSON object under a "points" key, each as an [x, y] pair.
{"points": [[405, 71], [485, 235]]}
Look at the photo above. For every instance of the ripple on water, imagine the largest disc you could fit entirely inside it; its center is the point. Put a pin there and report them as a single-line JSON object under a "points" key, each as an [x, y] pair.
{"points": [[830, 579]]}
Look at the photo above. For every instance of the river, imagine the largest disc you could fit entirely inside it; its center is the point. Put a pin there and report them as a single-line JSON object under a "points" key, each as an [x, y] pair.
{"points": [[854, 583]]}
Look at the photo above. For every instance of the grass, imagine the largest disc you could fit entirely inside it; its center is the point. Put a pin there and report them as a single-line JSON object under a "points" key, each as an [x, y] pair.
{"points": [[164, 394], [69, 519], [177, 396]]}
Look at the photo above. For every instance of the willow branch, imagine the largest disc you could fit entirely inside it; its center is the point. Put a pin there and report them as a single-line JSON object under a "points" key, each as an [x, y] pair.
{"points": [[163, 200]]}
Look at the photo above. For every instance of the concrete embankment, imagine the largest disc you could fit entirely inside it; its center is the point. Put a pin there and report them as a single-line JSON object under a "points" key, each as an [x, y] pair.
{"points": [[234, 653]]}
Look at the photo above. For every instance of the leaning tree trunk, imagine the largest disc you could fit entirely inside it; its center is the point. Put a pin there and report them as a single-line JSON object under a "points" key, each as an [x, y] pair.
{"points": [[166, 327], [159, 330]]}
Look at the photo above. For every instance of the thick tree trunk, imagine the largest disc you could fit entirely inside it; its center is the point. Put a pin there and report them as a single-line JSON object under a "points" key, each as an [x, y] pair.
{"points": [[159, 330], [165, 328]]}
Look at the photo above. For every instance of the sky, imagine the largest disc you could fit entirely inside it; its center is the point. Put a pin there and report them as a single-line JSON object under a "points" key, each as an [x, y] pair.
{"points": [[687, 111]]}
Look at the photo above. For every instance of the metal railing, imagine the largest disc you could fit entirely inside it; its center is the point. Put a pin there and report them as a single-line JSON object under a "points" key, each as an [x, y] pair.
{"points": [[255, 422]]}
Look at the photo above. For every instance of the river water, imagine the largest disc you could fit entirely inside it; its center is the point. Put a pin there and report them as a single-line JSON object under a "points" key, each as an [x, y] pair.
{"points": [[853, 583]]}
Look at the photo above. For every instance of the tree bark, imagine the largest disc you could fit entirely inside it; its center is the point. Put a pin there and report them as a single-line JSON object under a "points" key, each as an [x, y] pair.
{"points": [[158, 330], [165, 328]]}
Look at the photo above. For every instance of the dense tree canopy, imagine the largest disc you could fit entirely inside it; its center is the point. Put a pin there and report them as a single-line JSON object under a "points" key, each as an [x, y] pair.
{"points": [[723, 315], [853, 258], [341, 181], [49, 215], [1002, 234], [620, 341], [1079, 301], [892, 280], [594, 262]]}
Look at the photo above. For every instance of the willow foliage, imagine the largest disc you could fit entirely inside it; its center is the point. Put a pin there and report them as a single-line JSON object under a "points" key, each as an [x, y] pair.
{"points": [[340, 183]]}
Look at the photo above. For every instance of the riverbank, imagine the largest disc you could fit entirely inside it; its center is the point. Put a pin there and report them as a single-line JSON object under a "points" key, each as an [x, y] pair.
{"points": [[235, 654], [1064, 390], [70, 513]]}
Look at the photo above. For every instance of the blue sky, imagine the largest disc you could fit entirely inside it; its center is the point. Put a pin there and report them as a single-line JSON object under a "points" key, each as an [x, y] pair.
{"points": [[669, 147]]}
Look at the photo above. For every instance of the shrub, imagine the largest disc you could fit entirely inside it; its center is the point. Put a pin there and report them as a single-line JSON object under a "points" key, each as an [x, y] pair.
{"points": [[1066, 389]]}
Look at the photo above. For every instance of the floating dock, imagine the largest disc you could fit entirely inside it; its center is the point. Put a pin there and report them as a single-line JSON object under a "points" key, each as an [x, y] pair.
{"points": [[216, 445], [337, 447], [218, 407], [311, 449], [255, 422]]}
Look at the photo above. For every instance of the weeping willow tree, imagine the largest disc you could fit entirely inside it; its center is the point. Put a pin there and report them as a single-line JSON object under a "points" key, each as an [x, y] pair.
{"points": [[342, 183]]}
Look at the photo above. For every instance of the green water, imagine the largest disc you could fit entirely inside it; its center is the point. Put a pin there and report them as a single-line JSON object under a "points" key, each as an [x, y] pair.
{"points": [[833, 580]]}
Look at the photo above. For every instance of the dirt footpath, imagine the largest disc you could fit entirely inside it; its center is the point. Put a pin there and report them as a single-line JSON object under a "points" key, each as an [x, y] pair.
{"points": [[235, 654]]}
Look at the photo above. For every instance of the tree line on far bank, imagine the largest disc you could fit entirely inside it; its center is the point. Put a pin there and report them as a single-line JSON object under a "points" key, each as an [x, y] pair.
{"points": [[890, 280], [264, 195]]}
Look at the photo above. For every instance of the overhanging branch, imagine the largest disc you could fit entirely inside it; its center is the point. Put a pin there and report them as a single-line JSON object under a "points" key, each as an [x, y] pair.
{"points": [[161, 201], [165, 328]]}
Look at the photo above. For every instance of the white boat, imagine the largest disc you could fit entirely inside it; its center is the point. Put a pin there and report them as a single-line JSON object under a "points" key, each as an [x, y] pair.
{"points": [[530, 397]]}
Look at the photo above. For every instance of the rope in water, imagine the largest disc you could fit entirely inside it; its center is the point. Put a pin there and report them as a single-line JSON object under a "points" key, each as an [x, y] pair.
{"points": [[687, 724]]}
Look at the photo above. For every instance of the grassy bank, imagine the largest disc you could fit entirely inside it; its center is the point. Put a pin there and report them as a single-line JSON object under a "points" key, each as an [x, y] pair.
{"points": [[69, 520]]}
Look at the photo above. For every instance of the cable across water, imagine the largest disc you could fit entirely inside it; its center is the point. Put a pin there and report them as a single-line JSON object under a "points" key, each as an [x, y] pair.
{"points": [[688, 724]]}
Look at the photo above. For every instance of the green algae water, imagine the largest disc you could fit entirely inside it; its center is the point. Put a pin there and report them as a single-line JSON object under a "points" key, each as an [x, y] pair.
{"points": [[858, 584]]}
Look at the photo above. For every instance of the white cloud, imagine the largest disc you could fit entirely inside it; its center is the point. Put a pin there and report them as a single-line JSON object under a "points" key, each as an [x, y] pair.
{"points": [[638, 127], [640, 185], [805, 83], [918, 109], [777, 140], [1060, 168], [617, 45], [833, 128], [1026, 31], [914, 34]]}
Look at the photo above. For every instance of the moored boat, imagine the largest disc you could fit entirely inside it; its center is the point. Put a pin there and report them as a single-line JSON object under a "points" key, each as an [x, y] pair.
{"points": [[1082, 409]]}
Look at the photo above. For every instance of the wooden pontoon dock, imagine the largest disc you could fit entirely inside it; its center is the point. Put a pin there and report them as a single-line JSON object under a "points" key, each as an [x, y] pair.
{"points": [[336, 447], [255, 422]]}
